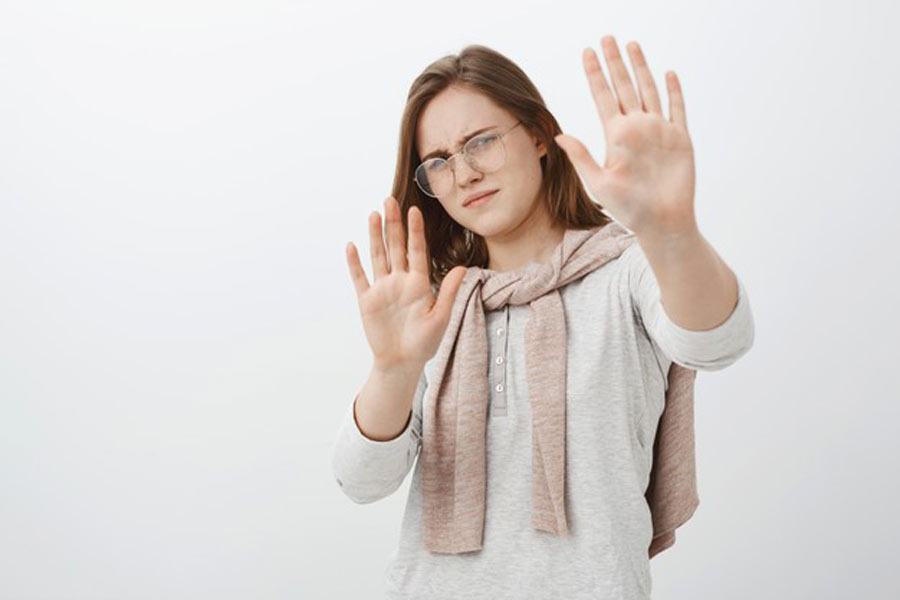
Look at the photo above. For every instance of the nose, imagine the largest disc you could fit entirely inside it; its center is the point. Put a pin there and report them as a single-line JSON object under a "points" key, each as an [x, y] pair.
{"points": [[464, 172]]}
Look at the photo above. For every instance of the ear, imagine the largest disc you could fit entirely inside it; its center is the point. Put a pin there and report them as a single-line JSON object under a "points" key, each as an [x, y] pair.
{"points": [[541, 148]]}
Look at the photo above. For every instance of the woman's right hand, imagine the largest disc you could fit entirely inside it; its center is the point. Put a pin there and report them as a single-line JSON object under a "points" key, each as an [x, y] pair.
{"points": [[403, 321]]}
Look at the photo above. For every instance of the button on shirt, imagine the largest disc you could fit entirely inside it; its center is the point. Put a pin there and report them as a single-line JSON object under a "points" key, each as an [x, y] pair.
{"points": [[620, 344]]}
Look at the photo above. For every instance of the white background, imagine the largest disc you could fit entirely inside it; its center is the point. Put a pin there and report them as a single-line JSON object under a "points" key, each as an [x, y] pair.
{"points": [[179, 335]]}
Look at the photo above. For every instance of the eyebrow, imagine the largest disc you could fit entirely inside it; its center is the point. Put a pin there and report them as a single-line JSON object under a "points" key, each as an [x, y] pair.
{"points": [[466, 138]]}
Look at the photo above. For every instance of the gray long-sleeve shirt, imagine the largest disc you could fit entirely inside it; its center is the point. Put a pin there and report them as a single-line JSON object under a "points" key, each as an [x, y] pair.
{"points": [[620, 346]]}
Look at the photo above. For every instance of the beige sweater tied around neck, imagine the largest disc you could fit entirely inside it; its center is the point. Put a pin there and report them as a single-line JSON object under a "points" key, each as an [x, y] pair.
{"points": [[456, 403]]}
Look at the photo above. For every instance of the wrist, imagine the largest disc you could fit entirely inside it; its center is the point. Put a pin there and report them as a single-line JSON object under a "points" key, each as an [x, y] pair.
{"points": [[388, 369]]}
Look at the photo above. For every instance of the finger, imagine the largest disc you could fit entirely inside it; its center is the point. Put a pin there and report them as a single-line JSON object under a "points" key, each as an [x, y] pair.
{"points": [[646, 85], [447, 293], [418, 258], [357, 274], [621, 80], [676, 100], [376, 246], [607, 106], [396, 243]]}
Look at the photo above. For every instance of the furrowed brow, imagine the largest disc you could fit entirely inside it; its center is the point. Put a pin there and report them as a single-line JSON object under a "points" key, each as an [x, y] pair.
{"points": [[466, 138]]}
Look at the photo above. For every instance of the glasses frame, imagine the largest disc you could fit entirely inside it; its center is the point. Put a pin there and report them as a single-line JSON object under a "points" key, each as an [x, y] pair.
{"points": [[465, 156]]}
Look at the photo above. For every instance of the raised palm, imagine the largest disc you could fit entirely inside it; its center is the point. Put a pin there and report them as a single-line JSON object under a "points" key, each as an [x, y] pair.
{"points": [[402, 319]]}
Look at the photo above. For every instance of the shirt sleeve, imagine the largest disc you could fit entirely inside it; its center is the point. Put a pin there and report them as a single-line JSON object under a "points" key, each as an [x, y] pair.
{"points": [[709, 349], [368, 470]]}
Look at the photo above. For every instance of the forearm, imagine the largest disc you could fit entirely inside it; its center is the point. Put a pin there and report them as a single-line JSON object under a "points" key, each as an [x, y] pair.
{"points": [[697, 289]]}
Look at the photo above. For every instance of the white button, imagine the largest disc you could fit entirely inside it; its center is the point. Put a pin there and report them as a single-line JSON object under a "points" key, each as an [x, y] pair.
{"points": [[500, 331], [499, 360], [499, 387]]}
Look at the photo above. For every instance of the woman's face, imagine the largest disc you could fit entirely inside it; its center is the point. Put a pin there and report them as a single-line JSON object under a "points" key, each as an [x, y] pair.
{"points": [[449, 118]]}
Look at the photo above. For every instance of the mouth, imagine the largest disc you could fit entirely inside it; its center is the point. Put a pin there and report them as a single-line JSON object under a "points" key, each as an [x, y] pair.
{"points": [[480, 199]]}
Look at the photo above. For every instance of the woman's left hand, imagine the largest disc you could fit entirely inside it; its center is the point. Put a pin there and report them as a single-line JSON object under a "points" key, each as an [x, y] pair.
{"points": [[647, 182]]}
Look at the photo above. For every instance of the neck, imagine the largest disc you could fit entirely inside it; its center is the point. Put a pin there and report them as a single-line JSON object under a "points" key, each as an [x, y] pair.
{"points": [[531, 241]]}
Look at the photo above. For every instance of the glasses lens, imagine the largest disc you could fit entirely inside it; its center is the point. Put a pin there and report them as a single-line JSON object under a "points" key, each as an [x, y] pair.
{"points": [[435, 177], [486, 153]]}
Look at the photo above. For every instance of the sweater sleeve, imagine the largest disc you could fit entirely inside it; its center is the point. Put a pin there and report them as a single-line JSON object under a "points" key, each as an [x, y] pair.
{"points": [[368, 470], [709, 349]]}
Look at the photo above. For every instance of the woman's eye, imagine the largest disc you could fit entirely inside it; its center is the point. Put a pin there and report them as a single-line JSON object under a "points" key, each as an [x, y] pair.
{"points": [[483, 142]]}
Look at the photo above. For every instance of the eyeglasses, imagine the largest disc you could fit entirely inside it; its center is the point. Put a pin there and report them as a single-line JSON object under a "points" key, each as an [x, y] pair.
{"points": [[484, 153]]}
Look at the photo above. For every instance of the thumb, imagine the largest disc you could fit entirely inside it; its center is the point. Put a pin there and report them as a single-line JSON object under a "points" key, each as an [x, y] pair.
{"points": [[579, 155], [447, 293]]}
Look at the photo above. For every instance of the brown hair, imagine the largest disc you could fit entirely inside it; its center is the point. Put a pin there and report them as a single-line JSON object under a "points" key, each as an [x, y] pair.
{"points": [[482, 69]]}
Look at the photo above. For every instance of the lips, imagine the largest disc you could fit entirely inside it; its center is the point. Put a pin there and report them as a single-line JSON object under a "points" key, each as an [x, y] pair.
{"points": [[480, 196]]}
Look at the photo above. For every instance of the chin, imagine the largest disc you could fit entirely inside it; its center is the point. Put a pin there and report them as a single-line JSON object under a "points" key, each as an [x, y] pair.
{"points": [[488, 227]]}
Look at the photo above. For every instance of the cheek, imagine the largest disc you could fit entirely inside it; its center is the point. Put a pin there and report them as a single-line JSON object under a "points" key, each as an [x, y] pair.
{"points": [[534, 174], [454, 212], [523, 176]]}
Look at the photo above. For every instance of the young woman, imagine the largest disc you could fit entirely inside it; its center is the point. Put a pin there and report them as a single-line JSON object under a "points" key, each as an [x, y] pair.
{"points": [[521, 347]]}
